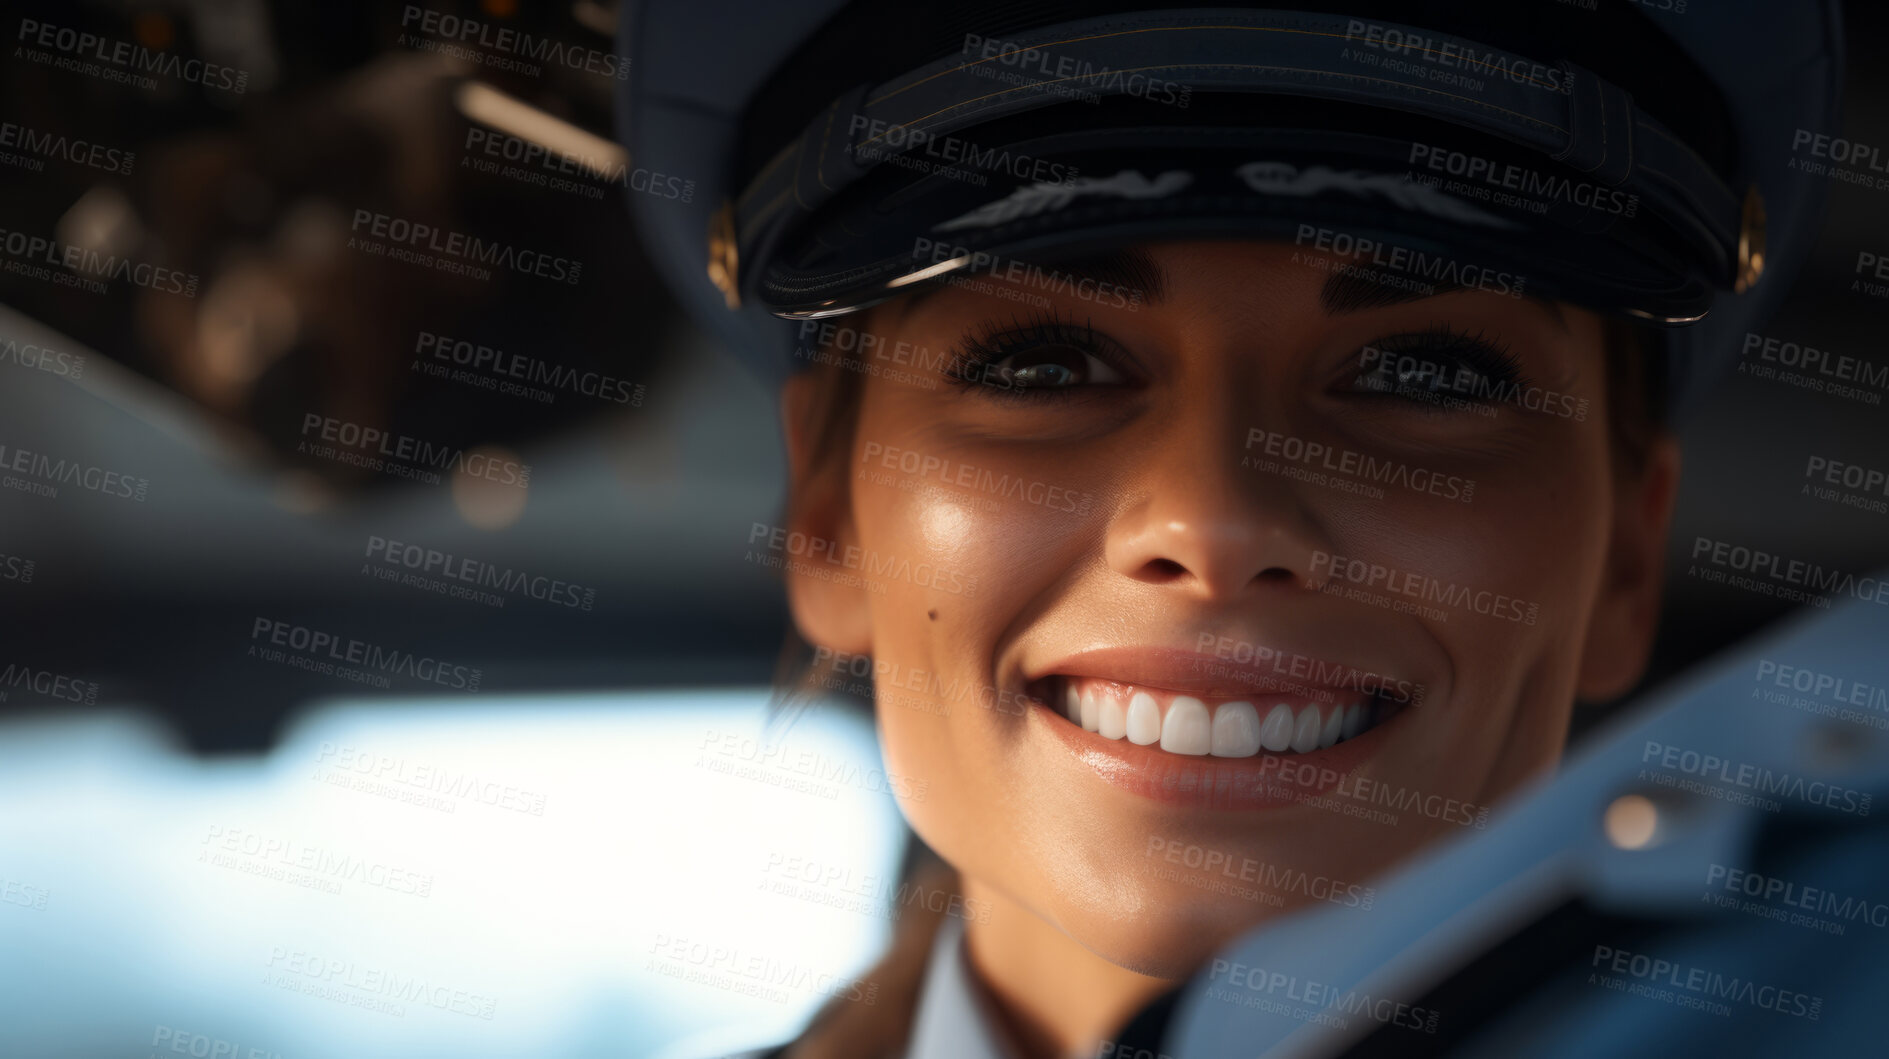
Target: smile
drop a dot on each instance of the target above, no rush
(1189, 730)
(1200, 725)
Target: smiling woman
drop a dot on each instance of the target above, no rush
(1242, 511)
(1207, 666)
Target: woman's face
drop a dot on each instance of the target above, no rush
(1217, 598)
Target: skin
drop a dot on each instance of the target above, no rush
(1183, 540)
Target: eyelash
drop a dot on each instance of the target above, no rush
(992, 343)
(1448, 350)
(1441, 347)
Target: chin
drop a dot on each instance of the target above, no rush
(1176, 935)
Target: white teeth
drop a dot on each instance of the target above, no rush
(1144, 719)
(1354, 720)
(1276, 733)
(1192, 727)
(1187, 728)
(1305, 730)
(1111, 718)
(1235, 730)
(1334, 723)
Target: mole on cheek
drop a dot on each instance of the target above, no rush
(932, 614)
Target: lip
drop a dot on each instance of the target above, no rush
(1205, 675)
(1267, 780)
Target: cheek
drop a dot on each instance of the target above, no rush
(1507, 578)
(999, 534)
(977, 566)
(995, 546)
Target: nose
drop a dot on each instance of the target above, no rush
(1204, 519)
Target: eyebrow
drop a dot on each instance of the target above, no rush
(1348, 292)
(1344, 292)
(1128, 267)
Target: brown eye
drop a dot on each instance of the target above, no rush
(1439, 365)
(1046, 358)
(1053, 367)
